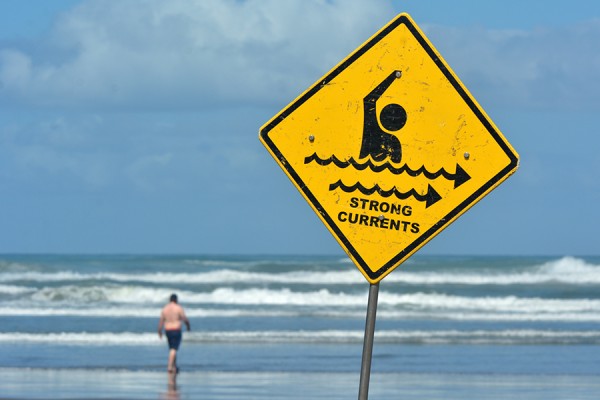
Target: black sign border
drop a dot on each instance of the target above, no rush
(440, 225)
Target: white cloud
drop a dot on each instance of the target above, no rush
(183, 53)
(191, 55)
(197, 53)
(546, 68)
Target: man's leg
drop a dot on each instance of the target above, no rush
(172, 367)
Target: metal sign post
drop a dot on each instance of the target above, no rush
(365, 369)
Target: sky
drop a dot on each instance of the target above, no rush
(131, 126)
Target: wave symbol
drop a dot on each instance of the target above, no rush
(459, 176)
(430, 198)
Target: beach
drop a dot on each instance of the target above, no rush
(106, 384)
(291, 327)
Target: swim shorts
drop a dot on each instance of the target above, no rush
(174, 338)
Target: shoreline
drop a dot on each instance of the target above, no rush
(36, 383)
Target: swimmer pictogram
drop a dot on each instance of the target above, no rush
(376, 142)
(379, 145)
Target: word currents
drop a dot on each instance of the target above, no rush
(380, 220)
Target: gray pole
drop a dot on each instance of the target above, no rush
(365, 369)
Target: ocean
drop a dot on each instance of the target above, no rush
(291, 327)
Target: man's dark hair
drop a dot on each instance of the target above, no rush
(174, 298)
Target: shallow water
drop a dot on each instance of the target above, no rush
(126, 384)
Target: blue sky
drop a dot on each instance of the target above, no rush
(132, 126)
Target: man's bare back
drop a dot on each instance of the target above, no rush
(173, 315)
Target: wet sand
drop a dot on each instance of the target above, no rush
(125, 384)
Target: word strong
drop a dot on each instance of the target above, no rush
(389, 148)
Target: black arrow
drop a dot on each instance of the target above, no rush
(430, 198)
(460, 176)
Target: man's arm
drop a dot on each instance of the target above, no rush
(161, 322)
(185, 320)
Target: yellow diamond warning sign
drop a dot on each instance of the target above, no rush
(389, 148)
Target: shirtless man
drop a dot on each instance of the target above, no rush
(171, 317)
